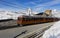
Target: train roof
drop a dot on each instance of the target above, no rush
(24, 16)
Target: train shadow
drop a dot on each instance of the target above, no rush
(8, 27)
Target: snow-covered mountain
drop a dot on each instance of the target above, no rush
(9, 15)
(56, 13)
(5, 14)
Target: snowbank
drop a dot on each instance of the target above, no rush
(53, 32)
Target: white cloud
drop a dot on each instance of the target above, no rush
(41, 6)
(49, 3)
(31, 2)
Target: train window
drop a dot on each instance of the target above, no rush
(18, 18)
(50, 18)
(47, 18)
(23, 18)
(41, 18)
(34, 18)
(27, 19)
(31, 18)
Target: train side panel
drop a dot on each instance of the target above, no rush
(34, 20)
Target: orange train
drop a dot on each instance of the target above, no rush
(27, 20)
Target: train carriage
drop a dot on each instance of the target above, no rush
(27, 20)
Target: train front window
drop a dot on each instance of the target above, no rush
(18, 18)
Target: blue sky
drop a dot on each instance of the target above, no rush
(35, 5)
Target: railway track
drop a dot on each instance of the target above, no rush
(35, 34)
(25, 31)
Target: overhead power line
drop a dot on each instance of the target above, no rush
(9, 4)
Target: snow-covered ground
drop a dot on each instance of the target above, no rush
(53, 32)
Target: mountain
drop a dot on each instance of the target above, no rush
(9, 15)
(56, 13)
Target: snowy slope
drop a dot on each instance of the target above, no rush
(5, 14)
(2, 16)
(9, 15)
(53, 32)
(56, 13)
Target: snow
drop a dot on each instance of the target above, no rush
(6, 14)
(9, 15)
(56, 13)
(2, 16)
(53, 32)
